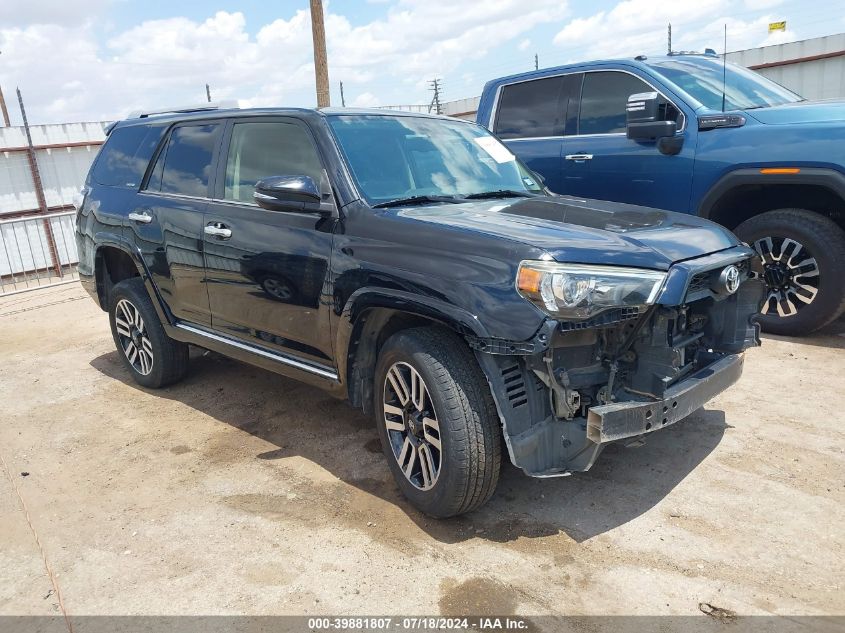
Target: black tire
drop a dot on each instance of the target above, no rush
(169, 358)
(824, 240)
(469, 430)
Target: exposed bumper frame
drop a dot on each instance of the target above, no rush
(620, 420)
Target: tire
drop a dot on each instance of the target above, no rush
(466, 468)
(158, 360)
(821, 239)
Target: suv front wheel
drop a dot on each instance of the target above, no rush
(801, 254)
(153, 358)
(437, 421)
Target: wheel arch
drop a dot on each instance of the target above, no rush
(746, 193)
(116, 260)
(370, 317)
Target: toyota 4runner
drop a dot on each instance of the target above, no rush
(412, 265)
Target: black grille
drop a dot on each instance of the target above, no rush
(703, 282)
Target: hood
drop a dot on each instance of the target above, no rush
(801, 112)
(586, 231)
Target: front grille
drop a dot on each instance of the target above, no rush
(702, 284)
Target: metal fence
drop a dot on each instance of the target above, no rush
(37, 251)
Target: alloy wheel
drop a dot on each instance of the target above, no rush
(134, 340)
(412, 427)
(791, 274)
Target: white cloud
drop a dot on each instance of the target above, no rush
(169, 61)
(366, 100)
(524, 44)
(762, 5)
(636, 27)
(66, 12)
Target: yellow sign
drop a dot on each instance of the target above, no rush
(777, 26)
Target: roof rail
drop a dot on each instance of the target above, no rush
(217, 105)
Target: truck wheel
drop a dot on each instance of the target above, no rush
(153, 358)
(801, 254)
(437, 421)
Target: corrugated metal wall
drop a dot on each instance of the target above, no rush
(63, 152)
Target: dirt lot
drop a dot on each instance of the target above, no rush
(242, 492)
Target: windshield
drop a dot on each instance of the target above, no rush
(702, 79)
(396, 157)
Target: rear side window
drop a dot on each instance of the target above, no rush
(531, 109)
(125, 156)
(603, 101)
(184, 165)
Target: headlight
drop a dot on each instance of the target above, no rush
(577, 292)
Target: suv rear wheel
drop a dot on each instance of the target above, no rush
(153, 358)
(437, 421)
(801, 252)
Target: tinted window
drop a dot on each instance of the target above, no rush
(187, 160)
(531, 109)
(603, 100)
(125, 156)
(263, 149)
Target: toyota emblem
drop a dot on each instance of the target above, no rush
(729, 279)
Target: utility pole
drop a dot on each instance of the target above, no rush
(536, 62)
(39, 190)
(321, 64)
(670, 38)
(208, 92)
(435, 102)
(6, 121)
(342, 98)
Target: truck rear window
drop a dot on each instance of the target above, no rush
(124, 158)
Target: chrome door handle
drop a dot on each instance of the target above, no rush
(218, 230)
(579, 157)
(143, 218)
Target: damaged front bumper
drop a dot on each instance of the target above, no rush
(621, 420)
(570, 391)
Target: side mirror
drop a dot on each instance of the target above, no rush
(288, 193)
(646, 114)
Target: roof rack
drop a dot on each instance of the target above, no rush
(217, 105)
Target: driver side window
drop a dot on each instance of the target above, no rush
(260, 149)
(603, 100)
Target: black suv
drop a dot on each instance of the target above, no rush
(412, 265)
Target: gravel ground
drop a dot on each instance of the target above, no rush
(242, 492)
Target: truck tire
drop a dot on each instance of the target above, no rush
(437, 421)
(801, 254)
(153, 358)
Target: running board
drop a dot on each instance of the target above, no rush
(323, 372)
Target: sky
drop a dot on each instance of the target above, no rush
(92, 60)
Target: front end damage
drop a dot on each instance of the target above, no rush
(578, 386)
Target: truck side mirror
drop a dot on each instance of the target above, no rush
(646, 114)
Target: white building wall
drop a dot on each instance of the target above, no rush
(812, 79)
(62, 169)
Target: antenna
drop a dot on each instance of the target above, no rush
(725, 68)
(669, 43)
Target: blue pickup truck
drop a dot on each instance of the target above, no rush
(688, 133)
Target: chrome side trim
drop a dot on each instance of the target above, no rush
(286, 360)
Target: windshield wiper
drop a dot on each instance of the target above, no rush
(401, 202)
(499, 193)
